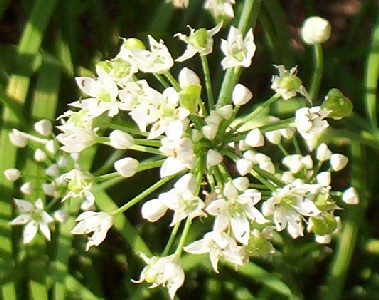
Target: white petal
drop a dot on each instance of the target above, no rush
(241, 229)
(30, 232)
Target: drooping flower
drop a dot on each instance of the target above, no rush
(34, 217)
(218, 245)
(96, 222)
(238, 50)
(220, 8)
(165, 271)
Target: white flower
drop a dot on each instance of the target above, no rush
(350, 196)
(34, 217)
(255, 138)
(43, 127)
(236, 209)
(76, 139)
(287, 84)
(158, 60)
(126, 167)
(289, 204)
(165, 271)
(241, 95)
(218, 245)
(96, 222)
(181, 199)
(18, 138)
(79, 185)
(338, 162)
(315, 30)
(199, 41)
(103, 93)
(120, 139)
(310, 121)
(220, 8)
(238, 51)
(178, 149)
(12, 174)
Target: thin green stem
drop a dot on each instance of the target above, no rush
(208, 83)
(161, 80)
(171, 239)
(317, 73)
(258, 110)
(143, 195)
(172, 80)
(182, 240)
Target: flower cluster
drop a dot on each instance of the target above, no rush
(215, 160)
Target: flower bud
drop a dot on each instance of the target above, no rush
(244, 166)
(225, 111)
(120, 139)
(43, 127)
(213, 158)
(39, 155)
(61, 216)
(315, 30)
(339, 105)
(241, 95)
(187, 77)
(255, 138)
(323, 153)
(26, 188)
(133, 44)
(126, 167)
(350, 196)
(18, 138)
(338, 162)
(49, 189)
(12, 174)
(274, 137)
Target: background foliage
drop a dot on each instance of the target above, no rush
(44, 44)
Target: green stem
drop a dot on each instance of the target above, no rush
(208, 83)
(372, 75)
(248, 19)
(182, 240)
(317, 73)
(258, 110)
(143, 195)
(162, 81)
(172, 80)
(171, 239)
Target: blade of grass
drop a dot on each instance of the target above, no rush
(17, 89)
(372, 75)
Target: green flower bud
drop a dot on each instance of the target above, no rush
(189, 97)
(199, 38)
(324, 225)
(133, 43)
(339, 105)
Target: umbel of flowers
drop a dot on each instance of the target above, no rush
(213, 162)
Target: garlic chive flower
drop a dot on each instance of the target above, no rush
(96, 222)
(287, 84)
(238, 51)
(198, 41)
(165, 271)
(34, 217)
(220, 9)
